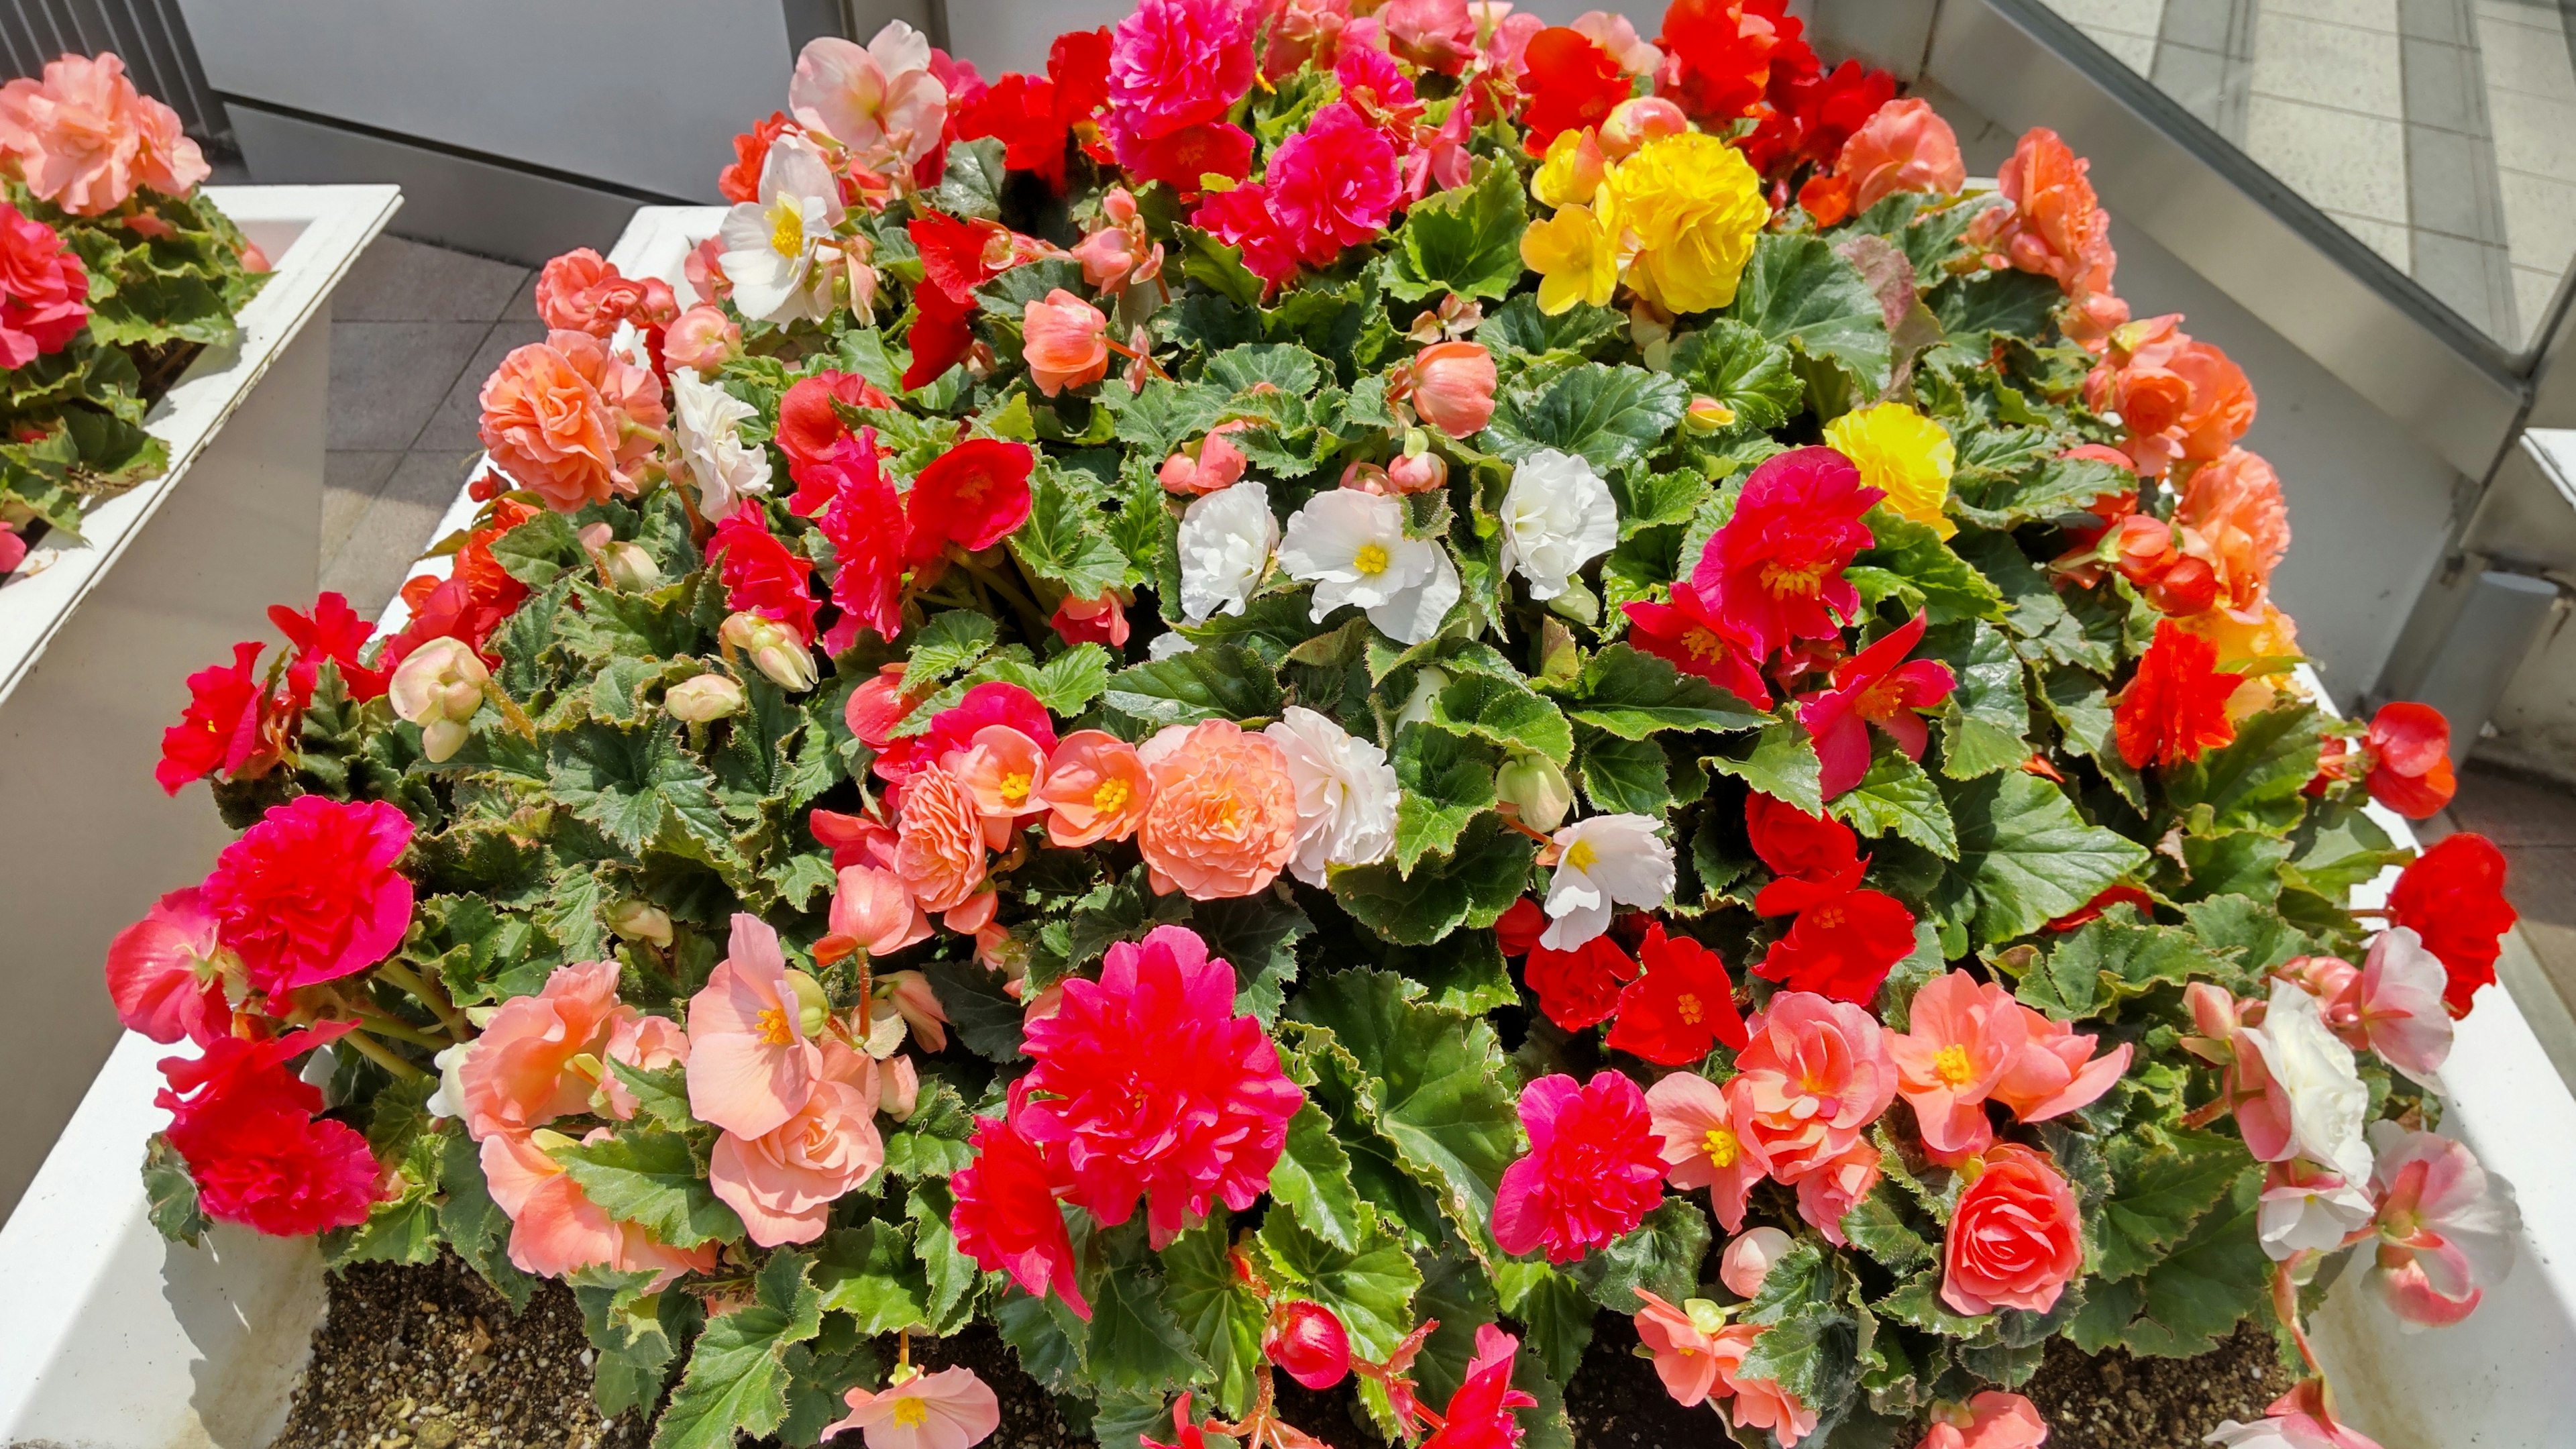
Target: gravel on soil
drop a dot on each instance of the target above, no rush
(431, 1358)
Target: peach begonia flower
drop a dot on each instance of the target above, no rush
(1758, 1403)
(1219, 464)
(783, 1182)
(570, 420)
(1817, 1072)
(646, 1043)
(2179, 399)
(911, 996)
(528, 1067)
(1453, 386)
(703, 339)
(1065, 341)
(1991, 1420)
(2056, 1072)
(939, 840)
(1223, 818)
(881, 100)
(1003, 770)
(1748, 1259)
(556, 1230)
(1096, 789)
(1122, 252)
(951, 1409)
(1681, 1339)
(1830, 1189)
(1903, 146)
(1703, 1146)
(84, 138)
(751, 1065)
(872, 914)
(2233, 515)
(1963, 1035)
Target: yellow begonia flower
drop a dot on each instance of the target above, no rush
(1694, 206)
(1573, 170)
(1576, 256)
(1902, 453)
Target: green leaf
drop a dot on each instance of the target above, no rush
(737, 1377)
(2012, 303)
(2036, 491)
(1219, 267)
(869, 1273)
(1447, 780)
(1313, 1180)
(1505, 713)
(2257, 931)
(473, 1224)
(1484, 873)
(2214, 1279)
(1369, 1286)
(1781, 762)
(951, 1276)
(1634, 694)
(1065, 542)
(1897, 796)
(1213, 681)
(972, 184)
(633, 783)
(931, 1143)
(1519, 326)
(1432, 1086)
(2162, 1181)
(1135, 1345)
(1796, 291)
(1465, 240)
(1257, 934)
(1553, 1308)
(636, 1334)
(538, 551)
(1219, 1313)
(2254, 783)
(170, 1194)
(1266, 369)
(2081, 704)
(2111, 959)
(986, 1018)
(1878, 1226)
(1983, 724)
(661, 1093)
(1623, 776)
(1607, 415)
(948, 645)
(1742, 369)
(2025, 856)
(1807, 1344)
(1661, 1255)
(646, 1176)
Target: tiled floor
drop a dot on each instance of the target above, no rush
(2534, 822)
(415, 329)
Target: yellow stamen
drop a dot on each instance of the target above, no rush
(1111, 796)
(1783, 582)
(1015, 788)
(1952, 1064)
(1370, 560)
(1581, 855)
(911, 1413)
(1688, 1005)
(787, 228)
(1719, 1145)
(772, 1026)
(1704, 644)
(1826, 918)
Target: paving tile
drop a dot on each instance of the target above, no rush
(2209, 85)
(2337, 160)
(2532, 133)
(2379, 15)
(460, 413)
(2513, 809)
(2443, 20)
(2450, 184)
(2515, 58)
(394, 530)
(396, 280)
(2134, 17)
(2221, 27)
(2443, 87)
(2327, 65)
(2533, 292)
(350, 483)
(2474, 279)
(2388, 238)
(2539, 220)
(387, 378)
(2137, 52)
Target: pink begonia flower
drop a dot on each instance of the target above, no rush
(1616, 35)
(85, 139)
(1704, 1145)
(912, 998)
(1815, 1075)
(882, 100)
(951, 1409)
(556, 1230)
(872, 914)
(750, 1064)
(1065, 341)
(1748, 1259)
(1121, 253)
(1219, 464)
(1991, 1420)
(1593, 1171)
(166, 972)
(703, 338)
(646, 1043)
(2056, 1072)
(1333, 185)
(1438, 34)
(538, 1057)
(2446, 1225)
(1003, 772)
(1683, 1345)
(2398, 1004)
(1758, 1403)
(2307, 1209)
(898, 1088)
(2298, 1419)
(1829, 1190)
(939, 841)
(783, 1183)
(1637, 120)
(1903, 146)
(1963, 1035)
(1178, 64)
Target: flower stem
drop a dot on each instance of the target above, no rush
(510, 710)
(374, 1051)
(428, 994)
(1030, 619)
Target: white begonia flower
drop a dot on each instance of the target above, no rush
(774, 247)
(1351, 546)
(1605, 860)
(881, 101)
(1169, 645)
(2314, 1216)
(2328, 1103)
(1346, 794)
(1557, 516)
(449, 1099)
(1226, 540)
(707, 421)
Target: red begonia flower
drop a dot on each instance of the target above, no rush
(1683, 1004)
(245, 1125)
(1717, 54)
(220, 729)
(1006, 1217)
(1571, 83)
(808, 423)
(2175, 707)
(2409, 748)
(310, 893)
(973, 496)
(1480, 1413)
(1689, 634)
(1813, 857)
(1775, 571)
(335, 632)
(1841, 946)
(2453, 896)
(850, 498)
(1078, 63)
(762, 574)
(1878, 686)
(740, 182)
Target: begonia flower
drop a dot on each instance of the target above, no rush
(2016, 1238)
(642, 1041)
(44, 289)
(1694, 207)
(1717, 55)
(2056, 1071)
(1352, 546)
(1007, 1219)
(2447, 1227)
(2452, 897)
(1679, 1338)
(884, 101)
(2233, 515)
(1681, 1007)
(761, 575)
(1309, 1343)
(1903, 454)
(703, 338)
(2307, 1209)
(974, 495)
(2051, 223)
(310, 893)
(1479, 1414)
(167, 973)
(219, 731)
(83, 138)
(751, 1062)
(1002, 771)
(1175, 67)
(1754, 1402)
(1604, 861)
(1573, 82)
(1690, 634)
(1160, 1028)
(1903, 146)
(1878, 686)
(1748, 1257)
(2311, 1101)
(1594, 1168)
(940, 843)
(1833, 1187)
(1226, 539)
(1066, 342)
(1962, 1036)
(1578, 253)
(706, 423)
(2409, 754)
(1451, 386)
(1101, 620)
(1222, 821)
(774, 246)
(1704, 1142)
(2179, 400)
(1816, 1074)
(783, 1182)
(1556, 516)
(1346, 794)
(1217, 464)
(258, 1154)
(2396, 1003)
(2298, 1419)
(2174, 708)
(1992, 1419)
(556, 1230)
(1332, 185)
(950, 1409)
(571, 421)
(538, 1058)
(1096, 789)
(854, 504)
(1774, 572)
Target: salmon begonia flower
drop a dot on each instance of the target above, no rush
(917, 1002)
(2056, 1072)
(1594, 1168)
(2233, 514)
(950, 1409)
(1218, 464)
(1066, 341)
(539, 1057)
(1704, 1142)
(570, 420)
(1682, 1007)
(646, 1043)
(2016, 1238)
(783, 1182)
(1003, 771)
(1903, 146)
(1774, 572)
(940, 842)
(1992, 1419)
(751, 1064)
(556, 1230)
(1962, 1036)
(2175, 707)
(873, 914)
(1748, 1258)
(2053, 225)
(84, 139)
(168, 972)
(1835, 1187)
(2452, 897)
(1878, 686)
(1681, 1339)
(1221, 819)
(2179, 400)
(1754, 1402)
(1816, 1074)
(1451, 385)
(1904, 455)
(2447, 1226)
(1096, 789)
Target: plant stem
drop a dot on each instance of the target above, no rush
(374, 1051)
(1030, 619)
(399, 1030)
(428, 994)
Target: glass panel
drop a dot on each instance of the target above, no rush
(2440, 133)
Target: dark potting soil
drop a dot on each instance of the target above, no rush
(431, 1358)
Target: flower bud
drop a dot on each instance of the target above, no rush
(1307, 1341)
(1532, 787)
(898, 1088)
(702, 339)
(1640, 119)
(1707, 415)
(1362, 477)
(641, 921)
(707, 697)
(1453, 387)
(813, 1006)
(1749, 1258)
(439, 686)
(775, 649)
(630, 567)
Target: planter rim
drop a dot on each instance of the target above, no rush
(337, 223)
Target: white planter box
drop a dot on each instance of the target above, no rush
(116, 1340)
(95, 647)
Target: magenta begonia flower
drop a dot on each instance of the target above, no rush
(1594, 1168)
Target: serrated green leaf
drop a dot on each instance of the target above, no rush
(1221, 1315)
(1661, 1255)
(1896, 795)
(2212, 1280)
(2162, 1181)
(1983, 724)
(869, 1273)
(1134, 1344)
(1633, 694)
(2025, 856)
(1877, 1226)
(1743, 370)
(1466, 240)
(2254, 782)
(649, 1177)
(737, 1377)
(473, 1224)
(1447, 780)
(2110, 959)
(1624, 776)
(1505, 713)
(1795, 290)
(948, 645)
(1369, 1286)
(1065, 542)
(170, 1194)
(1483, 874)
(1213, 681)
(1313, 1180)
(1604, 414)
